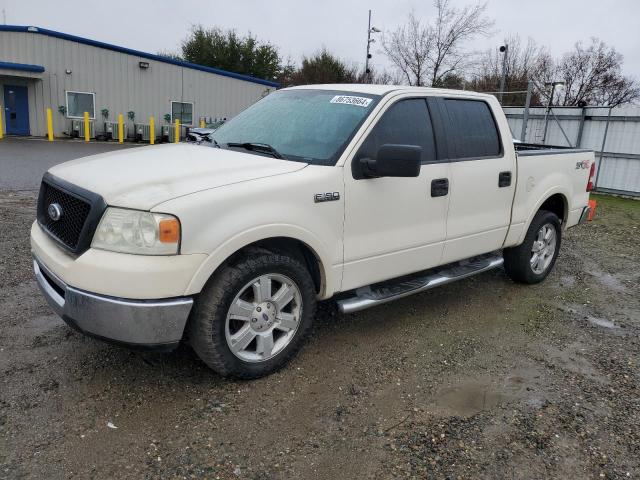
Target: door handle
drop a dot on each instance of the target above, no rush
(504, 179)
(439, 187)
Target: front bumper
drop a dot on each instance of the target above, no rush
(154, 324)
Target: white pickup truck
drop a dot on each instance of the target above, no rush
(366, 193)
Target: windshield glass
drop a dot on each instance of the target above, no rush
(313, 126)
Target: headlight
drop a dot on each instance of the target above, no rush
(135, 231)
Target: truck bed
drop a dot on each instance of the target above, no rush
(524, 149)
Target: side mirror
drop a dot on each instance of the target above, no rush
(393, 161)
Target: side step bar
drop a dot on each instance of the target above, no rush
(390, 290)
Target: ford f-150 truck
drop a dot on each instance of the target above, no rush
(365, 193)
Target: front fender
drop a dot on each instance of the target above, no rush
(330, 274)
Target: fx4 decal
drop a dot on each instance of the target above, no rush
(584, 164)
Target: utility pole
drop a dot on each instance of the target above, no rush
(4, 16)
(505, 50)
(370, 30)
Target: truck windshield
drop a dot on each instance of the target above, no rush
(312, 126)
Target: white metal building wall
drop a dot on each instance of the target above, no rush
(618, 161)
(117, 80)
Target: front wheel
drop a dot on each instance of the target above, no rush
(254, 315)
(532, 261)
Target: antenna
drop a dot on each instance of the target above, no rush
(4, 16)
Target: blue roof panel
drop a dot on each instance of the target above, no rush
(129, 51)
(24, 67)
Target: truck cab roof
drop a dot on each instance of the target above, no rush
(386, 89)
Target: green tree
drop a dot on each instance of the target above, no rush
(324, 67)
(227, 50)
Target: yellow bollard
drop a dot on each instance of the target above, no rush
(49, 125)
(176, 134)
(152, 131)
(202, 123)
(1, 126)
(86, 127)
(120, 128)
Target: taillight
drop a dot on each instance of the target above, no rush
(592, 172)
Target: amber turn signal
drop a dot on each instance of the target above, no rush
(169, 231)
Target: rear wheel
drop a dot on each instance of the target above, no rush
(532, 261)
(253, 316)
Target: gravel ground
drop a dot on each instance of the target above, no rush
(479, 379)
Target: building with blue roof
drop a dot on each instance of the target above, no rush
(42, 69)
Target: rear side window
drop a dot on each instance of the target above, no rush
(404, 123)
(472, 132)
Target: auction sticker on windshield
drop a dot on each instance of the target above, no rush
(351, 100)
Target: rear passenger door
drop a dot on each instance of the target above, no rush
(482, 178)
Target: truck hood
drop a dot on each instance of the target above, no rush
(146, 176)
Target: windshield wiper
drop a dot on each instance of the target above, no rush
(258, 147)
(209, 138)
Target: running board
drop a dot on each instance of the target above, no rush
(390, 290)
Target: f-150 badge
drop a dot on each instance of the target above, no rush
(326, 197)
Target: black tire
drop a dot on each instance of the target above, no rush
(206, 329)
(517, 260)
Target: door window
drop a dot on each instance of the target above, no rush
(472, 131)
(405, 123)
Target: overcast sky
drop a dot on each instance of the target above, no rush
(301, 27)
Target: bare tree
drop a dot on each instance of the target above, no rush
(409, 48)
(593, 75)
(426, 53)
(452, 28)
(524, 61)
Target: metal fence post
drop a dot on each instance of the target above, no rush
(525, 115)
(604, 141)
(581, 127)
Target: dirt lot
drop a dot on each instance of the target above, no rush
(480, 379)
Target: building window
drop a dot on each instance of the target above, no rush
(183, 112)
(80, 102)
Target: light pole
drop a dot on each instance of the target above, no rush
(505, 50)
(370, 30)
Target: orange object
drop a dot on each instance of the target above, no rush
(592, 211)
(169, 231)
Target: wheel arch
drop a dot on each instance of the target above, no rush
(555, 201)
(305, 247)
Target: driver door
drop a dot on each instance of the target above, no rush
(395, 226)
